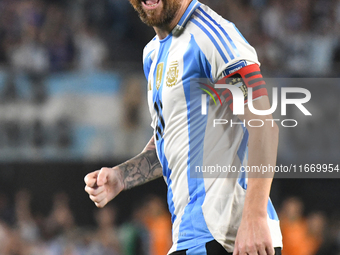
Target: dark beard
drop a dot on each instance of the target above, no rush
(170, 8)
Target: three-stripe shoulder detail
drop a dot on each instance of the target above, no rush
(216, 33)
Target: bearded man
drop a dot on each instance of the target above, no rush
(216, 213)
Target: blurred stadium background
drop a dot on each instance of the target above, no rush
(72, 99)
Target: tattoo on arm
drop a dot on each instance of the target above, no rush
(141, 169)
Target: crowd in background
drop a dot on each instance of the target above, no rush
(38, 39)
(53, 36)
(23, 232)
(314, 233)
(147, 232)
(293, 38)
(299, 37)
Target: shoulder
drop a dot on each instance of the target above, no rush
(216, 33)
(149, 54)
(149, 48)
(219, 40)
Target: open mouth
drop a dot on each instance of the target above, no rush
(151, 4)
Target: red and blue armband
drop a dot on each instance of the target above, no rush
(247, 77)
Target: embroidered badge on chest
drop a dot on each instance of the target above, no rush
(159, 75)
(172, 75)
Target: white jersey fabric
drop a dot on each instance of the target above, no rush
(202, 45)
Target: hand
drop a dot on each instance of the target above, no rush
(103, 185)
(253, 237)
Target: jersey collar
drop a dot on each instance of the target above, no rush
(185, 18)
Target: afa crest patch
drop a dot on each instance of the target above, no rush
(172, 75)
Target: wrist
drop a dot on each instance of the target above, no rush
(249, 213)
(120, 174)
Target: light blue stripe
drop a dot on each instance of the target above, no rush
(157, 96)
(211, 38)
(241, 153)
(217, 34)
(271, 211)
(206, 66)
(147, 64)
(243, 145)
(193, 229)
(223, 31)
(242, 180)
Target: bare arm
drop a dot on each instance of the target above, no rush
(262, 150)
(253, 236)
(143, 168)
(105, 184)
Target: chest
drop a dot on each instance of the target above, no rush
(174, 64)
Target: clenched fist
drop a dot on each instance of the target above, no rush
(103, 185)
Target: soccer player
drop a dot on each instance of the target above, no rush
(220, 213)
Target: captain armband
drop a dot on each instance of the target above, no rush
(247, 77)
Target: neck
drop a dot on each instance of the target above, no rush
(165, 30)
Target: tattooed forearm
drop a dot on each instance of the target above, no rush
(141, 169)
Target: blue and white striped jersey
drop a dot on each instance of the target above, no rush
(202, 45)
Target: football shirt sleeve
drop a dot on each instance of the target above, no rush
(242, 71)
